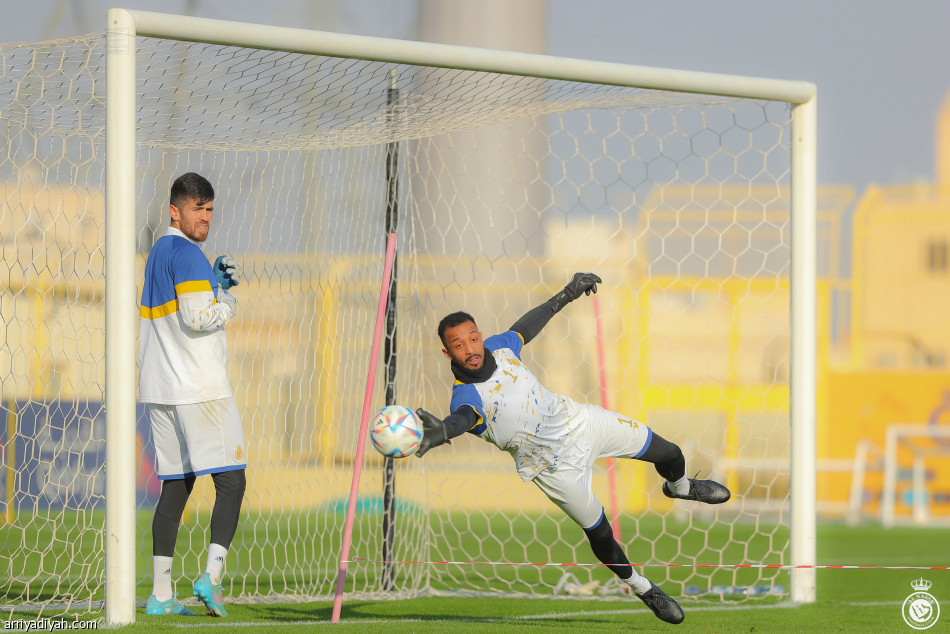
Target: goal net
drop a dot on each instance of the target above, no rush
(499, 187)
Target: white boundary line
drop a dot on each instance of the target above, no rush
(508, 619)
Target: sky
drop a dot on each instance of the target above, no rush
(881, 66)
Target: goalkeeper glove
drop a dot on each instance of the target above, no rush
(226, 271)
(433, 432)
(585, 283)
(582, 283)
(225, 297)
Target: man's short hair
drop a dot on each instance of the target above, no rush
(452, 320)
(191, 186)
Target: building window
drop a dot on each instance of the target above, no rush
(937, 256)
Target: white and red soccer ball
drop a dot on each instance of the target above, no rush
(396, 431)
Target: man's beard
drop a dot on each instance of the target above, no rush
(482, 374)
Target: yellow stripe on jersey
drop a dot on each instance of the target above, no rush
(477, 422)
(195, 286)
(169, 308)
(158, 312)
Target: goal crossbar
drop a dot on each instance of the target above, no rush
(377, 49)
(123, 28)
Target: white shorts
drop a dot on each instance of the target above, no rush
(609, 435)
(197, 438)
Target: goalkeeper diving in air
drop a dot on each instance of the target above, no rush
(553, 439)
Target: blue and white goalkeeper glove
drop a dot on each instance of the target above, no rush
(227, 272)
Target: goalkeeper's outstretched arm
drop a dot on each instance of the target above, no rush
(531, 323)
(437, 431)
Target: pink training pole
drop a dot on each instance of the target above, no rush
(364, 424)
(611, 480)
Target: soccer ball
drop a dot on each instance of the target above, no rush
(396, 431)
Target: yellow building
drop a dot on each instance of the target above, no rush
(896, 368)
(896, 371)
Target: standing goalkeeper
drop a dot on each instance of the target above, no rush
(195, 422)
(554, 440)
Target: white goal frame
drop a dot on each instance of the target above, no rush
(120, 388)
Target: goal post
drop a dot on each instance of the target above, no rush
(125, 25)
(692, 194)
(803, 362)
(120, 341)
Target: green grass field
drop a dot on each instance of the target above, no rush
(848, 600)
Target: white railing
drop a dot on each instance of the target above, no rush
(906, 435)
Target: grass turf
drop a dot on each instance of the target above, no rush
(848, 600)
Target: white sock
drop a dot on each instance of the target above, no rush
(681, 486)
(638, 582)
(216, 555)
(162, 578)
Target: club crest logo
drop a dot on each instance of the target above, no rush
(920, 610)
(239, 453)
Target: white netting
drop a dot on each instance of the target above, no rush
(505, 186)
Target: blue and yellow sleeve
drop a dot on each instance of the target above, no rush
(191, 272)
(465, 394)
(510, 339)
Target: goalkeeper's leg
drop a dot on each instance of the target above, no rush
(229, 488)
(667, 458)
(669, 462)
(570, 489)
(165, 523)
(229, 493)
(609, 552)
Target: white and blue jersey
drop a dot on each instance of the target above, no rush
(182, 345)
(539, 428)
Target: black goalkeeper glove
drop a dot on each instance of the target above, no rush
(433, 432)
(581, 283)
